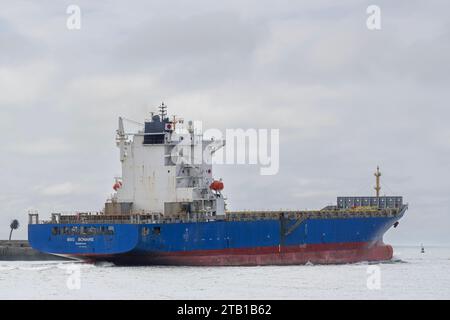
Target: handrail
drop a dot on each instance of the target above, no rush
(230, 216)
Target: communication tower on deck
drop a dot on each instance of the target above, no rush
(377, 184)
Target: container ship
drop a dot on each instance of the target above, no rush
(167, 209)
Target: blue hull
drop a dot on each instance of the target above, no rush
(188, 243)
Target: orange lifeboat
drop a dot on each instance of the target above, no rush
(216, 185)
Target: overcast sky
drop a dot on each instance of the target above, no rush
(345, 99)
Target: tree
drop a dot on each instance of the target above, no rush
(14, 225)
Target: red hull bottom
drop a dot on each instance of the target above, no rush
(292, 255)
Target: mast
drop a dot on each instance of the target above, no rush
(377, 187)
(121, 139)
(163, 111)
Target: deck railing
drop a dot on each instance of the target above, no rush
(99, 218)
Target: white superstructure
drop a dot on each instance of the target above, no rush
(166, 169)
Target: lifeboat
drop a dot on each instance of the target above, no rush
(216, 185)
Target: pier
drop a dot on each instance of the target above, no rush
(20, 250)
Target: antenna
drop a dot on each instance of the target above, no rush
(377, 187)
(163, 111)
(174, 121)
(121, 131)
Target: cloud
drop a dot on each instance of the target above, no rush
(61, 189)
(344, 98)
(23, 85)
(41, 147)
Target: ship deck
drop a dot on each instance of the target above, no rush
(100, 217)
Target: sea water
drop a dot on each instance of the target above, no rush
(411, 275)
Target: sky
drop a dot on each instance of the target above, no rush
(345, 99)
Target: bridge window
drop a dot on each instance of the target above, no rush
(156, 231)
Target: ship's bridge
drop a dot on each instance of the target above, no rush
(166, 168)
